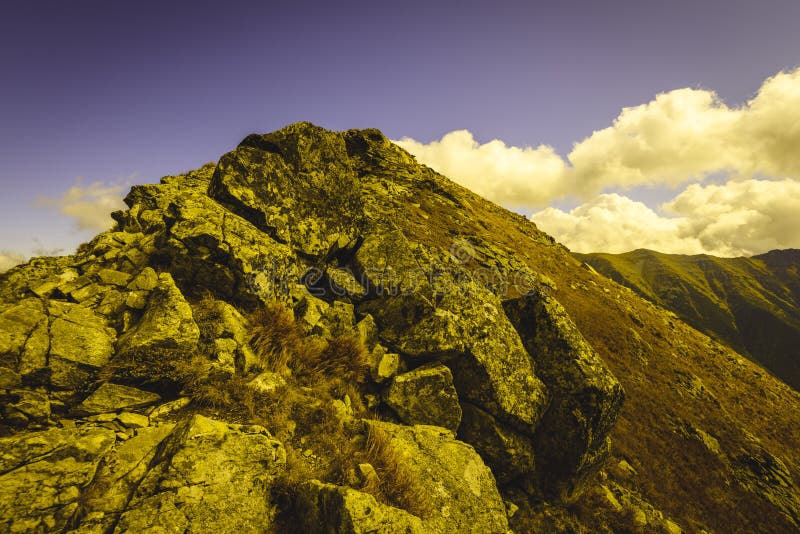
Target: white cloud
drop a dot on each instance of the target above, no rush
(512, 176)
(739, 218)
(89, 205)
(680, 136)
(9, 259)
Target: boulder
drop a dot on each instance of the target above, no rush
(207, 476)
(277, 182)
(24, 339)
(81, 342)
(571, 441)
(42, 475)
(425, 396)
(114, 397)
(325, 508)
(454, 320)
(458, 489)
(167, 323)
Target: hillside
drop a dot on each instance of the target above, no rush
(750, 304)
(318, 334)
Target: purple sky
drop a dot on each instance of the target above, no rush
(110, 91)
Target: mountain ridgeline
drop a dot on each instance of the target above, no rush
(318, 334)
(751, 304)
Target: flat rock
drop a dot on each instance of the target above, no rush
(114, 397)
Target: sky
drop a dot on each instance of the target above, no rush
(615, 125)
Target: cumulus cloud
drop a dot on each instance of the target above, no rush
(679, 137)
(511, 176)
(739, 218)
(89, 205)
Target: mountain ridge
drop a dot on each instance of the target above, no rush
(751, 304)
(340, 345)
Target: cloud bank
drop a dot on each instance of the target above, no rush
(678, 139)
(90, 206)
(735, 219)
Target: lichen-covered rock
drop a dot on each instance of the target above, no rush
(167, 322)
(81, 342)
(508, 452)
(297, 185)
(42, 475)
(114, 397)
(326, 508)
(24, 339)
(571, 441)
(425, 396)
(207, 476)
(457, 486)
(118, 477)
(457, 321)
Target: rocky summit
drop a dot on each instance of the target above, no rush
(319, 334)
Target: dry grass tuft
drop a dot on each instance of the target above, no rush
(396, 483)
(275, 337)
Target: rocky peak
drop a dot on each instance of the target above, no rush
(318, 304)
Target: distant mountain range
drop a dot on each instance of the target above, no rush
(751, 304)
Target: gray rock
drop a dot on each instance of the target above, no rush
(571, 442)
(329, 508)
(114, 397)
(80, 343)
(42, 474)
(208, 476)
(167, 323)
(425, 396)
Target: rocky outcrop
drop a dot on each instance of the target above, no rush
(336, 230)
(571, 440)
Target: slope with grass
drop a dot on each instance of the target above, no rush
(750, 304)
(318, 334)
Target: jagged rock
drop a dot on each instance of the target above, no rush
(133, 420)
(162, 411)
(80, 343)
(167, 323)
(368, 332)
(296, 202)
(118, 477)
(571, 441)
(385, 365)
(329, 508)
(456, 485)
(114, 397)
(460, 322)
(24, 339)
(509, 453)
(113, 277)
(228, 331)
(337, 320)
(147, 280)
(42, 474)
(23, 406)
(425, 396)
(207, 476)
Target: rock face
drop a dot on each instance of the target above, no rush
(585, 397)
(426, 396)
(490, 389)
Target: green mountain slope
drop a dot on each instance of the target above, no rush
(750, 304)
